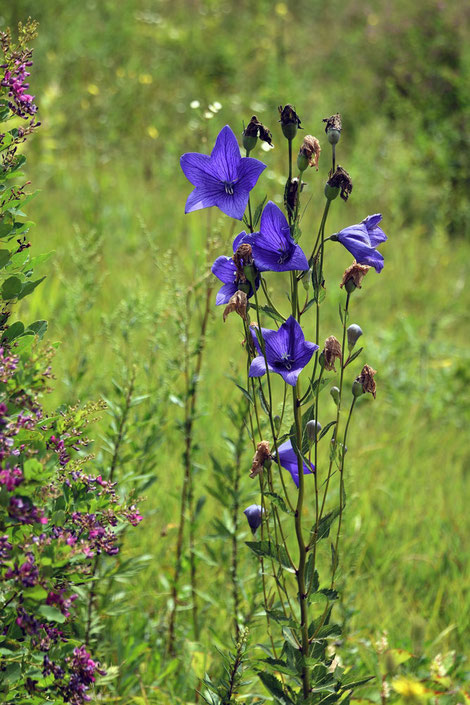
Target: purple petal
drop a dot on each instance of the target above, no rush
(354, 233)
(298, 259)
(225, 293)
(258, 367)
(224, 269)
(243, 237)
(290, 376)
(203, 196)
(365, 255)
(267, 259)
(288, 460)
(274, 225)
(277, 343)
(249, 172)
(197, 167)
(376, 234)
(225, 157)
(233, 205)
(303, 353)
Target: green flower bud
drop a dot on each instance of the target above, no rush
(313, 429)
(350, 286)
(331, 192)
(354, 333)
(334, 391)
(333, 136)
(302, 162)
(250, 273)
(277, 423)
(305, 279)
(357, 388)
(249, 142)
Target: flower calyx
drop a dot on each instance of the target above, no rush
(341, 179)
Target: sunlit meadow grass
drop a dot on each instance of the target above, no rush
(116, 85)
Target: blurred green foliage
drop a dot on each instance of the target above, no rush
(114, 83)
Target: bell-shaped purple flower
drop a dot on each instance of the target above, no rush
(254, 515)
(225, 269)
(288, 460)
(287, 352)
(362, 239)
(274, 249)
(224, 179)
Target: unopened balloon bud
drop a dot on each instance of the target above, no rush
(277, 423)
(313, 429)
(334, 391)
(331, 192)
(354, 333)
(357, 388)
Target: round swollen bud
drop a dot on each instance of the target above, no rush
(334, 391)
(350, 286)
(331, 192)
(302, 162)
(354, 333)
(333, 136)
(249, 142)
(357, 388)
(313, 429)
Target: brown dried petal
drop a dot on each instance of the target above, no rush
(332, 352)
(262, 454)
(366, 378)
(341, 179)
(255, 128)
(288, 115)
(333, 122)
(237, 303)
(356, 272)
(242, 257)
(311, 149)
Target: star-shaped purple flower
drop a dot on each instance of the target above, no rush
(288, 460)
(362, 239)
(224, 179)
(273, 247)
(224, 269)
(287, 352)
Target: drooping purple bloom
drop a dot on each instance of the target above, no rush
(225, 269)
(254, 514)
(224, 179)
(274, 249)
(362, 239)
(288, 460)
(287, 352)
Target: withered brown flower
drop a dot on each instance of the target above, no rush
(255, 128)
(366, 378)
(237, 303)
(355, 273)
(341, 179)
(262, 454)
(242, 257)
(331, 352)
(333, 122)
(311, 149)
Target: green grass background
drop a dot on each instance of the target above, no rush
(114, 83)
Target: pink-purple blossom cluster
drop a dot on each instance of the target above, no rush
(15, 81)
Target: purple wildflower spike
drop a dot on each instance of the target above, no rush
(288, 460)
(273, 247)
(362, 239)
(224, 179)
(287, 352)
